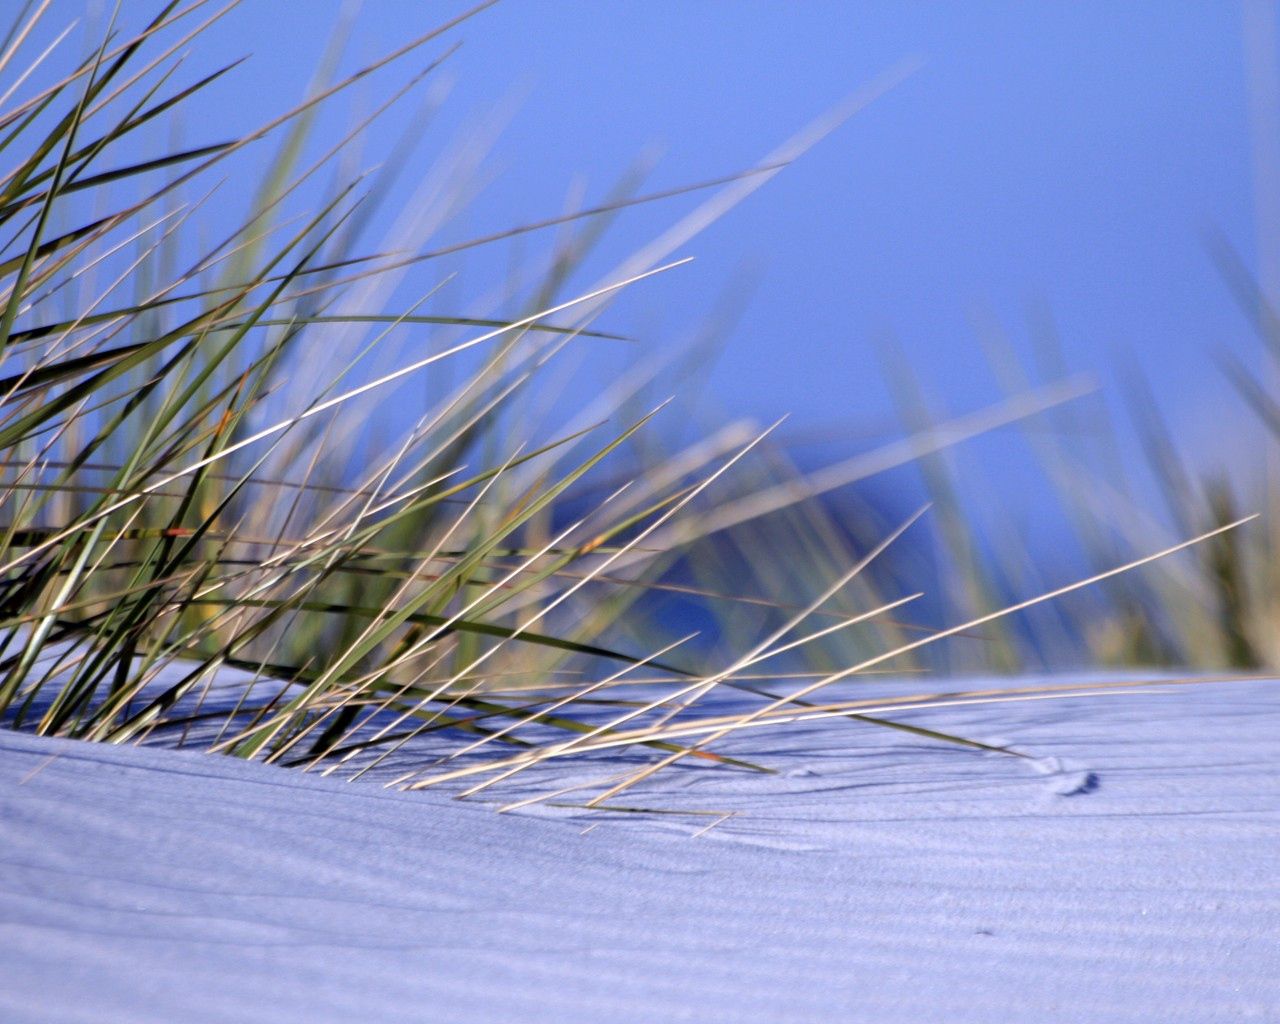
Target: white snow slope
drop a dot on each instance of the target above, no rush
(877, 877)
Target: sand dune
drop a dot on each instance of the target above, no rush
(1125, 873)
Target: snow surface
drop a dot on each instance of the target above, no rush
(1125, 872)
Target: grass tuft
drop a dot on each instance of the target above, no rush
(202, 544)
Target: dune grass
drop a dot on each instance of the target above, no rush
(188, 494)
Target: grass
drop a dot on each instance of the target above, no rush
(200, 545)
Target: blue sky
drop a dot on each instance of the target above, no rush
(1066, 154)
(1047, 157)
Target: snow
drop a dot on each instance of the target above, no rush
(1124, 871)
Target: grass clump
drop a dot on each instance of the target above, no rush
(200, 544)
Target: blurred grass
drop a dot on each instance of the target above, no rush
(194, 485)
